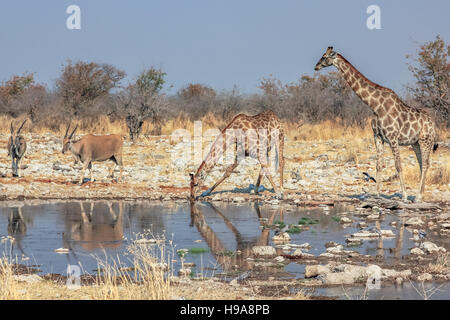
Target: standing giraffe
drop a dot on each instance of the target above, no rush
(251, 136)
(395, 123)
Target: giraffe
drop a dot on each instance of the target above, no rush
(395, 123)
(252, 136)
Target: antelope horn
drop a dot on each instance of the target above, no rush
(20, 128)
(70, 137)
(67, 130)
(12, 128)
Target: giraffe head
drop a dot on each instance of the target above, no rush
(328, 59)
(196, 179)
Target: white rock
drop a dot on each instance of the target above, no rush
(387, 233)
(425, 277)
(281, 237)
(336, 250)
(430, 247)
(28, 278)
(264, 251)
(417, 251)
(62, 250)
(373, 216)
(414, 221)
(345, 220)
(365, 234)
(184, 272)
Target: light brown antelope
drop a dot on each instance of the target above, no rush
(16, 148)
(94, 148)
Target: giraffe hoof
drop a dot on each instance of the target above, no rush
(279, 195)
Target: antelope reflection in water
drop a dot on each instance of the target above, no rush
(17, 228)
(243, 249)
(102, 229)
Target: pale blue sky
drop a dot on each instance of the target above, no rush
(218, 43)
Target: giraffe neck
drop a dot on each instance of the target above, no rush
(216, 151)
(363, 87)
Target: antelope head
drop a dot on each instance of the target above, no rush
(67, 141)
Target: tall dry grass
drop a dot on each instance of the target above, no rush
(437, 174)
(147, 278)
(330, 129)
(8, 285)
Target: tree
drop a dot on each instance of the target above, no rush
(432, 73)
(196, 91)
(21, 95)
(13, 88)
(82, 83)
(142, 100)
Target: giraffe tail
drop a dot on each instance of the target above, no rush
(435, 146)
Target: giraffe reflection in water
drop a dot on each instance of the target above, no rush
(397, 250)
(227, 259)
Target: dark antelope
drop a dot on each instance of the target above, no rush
(94, 148)
(16, 148)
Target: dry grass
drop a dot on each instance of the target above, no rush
(326, 130)
(437, 174)
(441, 265)
(330, 129)
(147, 278)
(8, 285)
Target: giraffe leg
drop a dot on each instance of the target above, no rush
(380, 149)
(425, 148)
(227, 173)
(266, 171)
(281, 161)
(258, 182)
(398, 166)
(379, 144)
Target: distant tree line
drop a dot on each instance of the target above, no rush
(89, 89)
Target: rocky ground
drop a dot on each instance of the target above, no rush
(320, 173)
(155, 168)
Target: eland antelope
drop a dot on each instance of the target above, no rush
(16, 148)
(94, 148)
